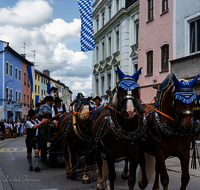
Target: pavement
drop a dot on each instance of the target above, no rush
(172, 164)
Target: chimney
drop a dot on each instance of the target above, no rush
(24, 56)
(46, 72)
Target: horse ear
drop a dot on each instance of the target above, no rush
(137, 74)
(176, 81)
(120, 73)
(193, 82)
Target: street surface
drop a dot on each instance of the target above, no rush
(15, 174)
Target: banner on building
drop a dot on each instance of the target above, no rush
(87, 29)
(36, 99)
(31, 71)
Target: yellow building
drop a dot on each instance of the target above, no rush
(37, 88)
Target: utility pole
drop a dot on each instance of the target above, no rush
(33, 55)
(24, 47)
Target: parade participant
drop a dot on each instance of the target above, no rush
(38, 106)
(45, 110)
(97, 101)
(18, 128)
(6, 128)
(32, 138)
(14, 129)
(58, 109)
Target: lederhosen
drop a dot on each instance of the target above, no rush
(56, 111)
(31, 139)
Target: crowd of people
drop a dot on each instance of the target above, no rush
(12, 129)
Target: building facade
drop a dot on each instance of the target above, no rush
(155, 44)
(37, 88)
(116, 27)
(186, 35)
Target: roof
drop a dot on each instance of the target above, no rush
(8, 48)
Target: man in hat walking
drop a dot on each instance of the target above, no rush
(32, 138)
(58, 109)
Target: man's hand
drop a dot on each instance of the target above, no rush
(44, 120)
(58, 114)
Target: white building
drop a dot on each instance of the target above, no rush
(116, 28)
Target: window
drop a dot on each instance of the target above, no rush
(103, 51)
(16, 71)
(117, 5)
(116, 76)
(109, 81)
(7, 68)
(165, 58)
(38, 78)
(35, 77)
(41, 80)
(24, 99)
(20, 75)
(7, 90)
(195, 36)
(42, 92)
(97, 53)
(164, 5)
(117, 40)
(11, 71)
(150, 63)
(35, 88)
(27, 99)
(16, 96)
(97, 86)
(11, 94)
(102, 85)
(109, 12)
(137, 34)
(97, 21)
(24, 78)
(135, 68)
(20, 96)
(150, 9)
(103, 18)
(109, 46)
(38, 89)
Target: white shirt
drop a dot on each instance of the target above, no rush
(30, 125)
(60, 109)
(6, 125)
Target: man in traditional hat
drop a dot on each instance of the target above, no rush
(32, 138)
(58, 109)
(46, 110)
(97, 101)
(38, 106)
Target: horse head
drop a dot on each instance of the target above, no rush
(183, 98)
(126, 94)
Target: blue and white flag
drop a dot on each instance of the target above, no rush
(87, 29)
(31, 71)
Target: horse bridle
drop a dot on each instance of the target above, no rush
(125, 98)
(183, 113)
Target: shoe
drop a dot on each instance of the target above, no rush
(31, 168)
(37, 169)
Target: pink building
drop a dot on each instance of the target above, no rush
(26, 88)
(155, 44)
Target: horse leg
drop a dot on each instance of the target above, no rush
(134, 161)
(156, 181)
(111, 173)
(125, 173)
(185, 177)
(144, 180)
(162, 170)
(66, 155)
(100, 182)
(86, 179)
(73, 162)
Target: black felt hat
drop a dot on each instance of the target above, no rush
(57, 100)
(47, 98)
(38, 104)
(31, 112)
(53, 88)
(97, 97)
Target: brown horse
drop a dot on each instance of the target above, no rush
(167, 137)
(118, 134)
(75, 131)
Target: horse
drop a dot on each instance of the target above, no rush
(170, 129)
(117, 132)
(74, 129)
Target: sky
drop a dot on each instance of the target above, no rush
(52, 29)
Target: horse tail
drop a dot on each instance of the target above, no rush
(149, 168)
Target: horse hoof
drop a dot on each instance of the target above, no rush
(73, 177)
(124, 177)
(86, 181)
(68, 177)
(141, 186)
(100, 189)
